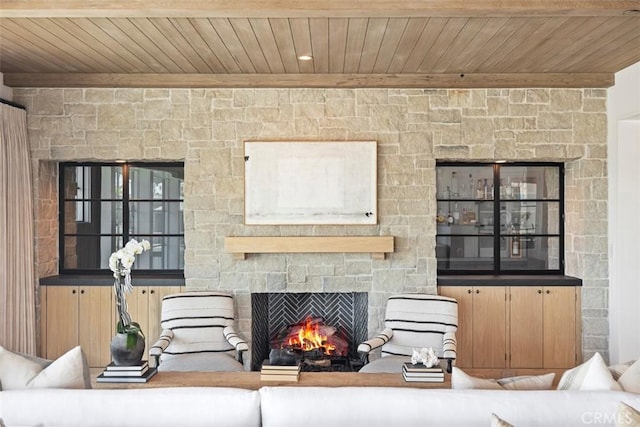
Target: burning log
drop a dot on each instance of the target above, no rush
(313, 338)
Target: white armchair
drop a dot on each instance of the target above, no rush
(413, 321)
(198, 334)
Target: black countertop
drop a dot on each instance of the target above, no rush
(107, 280)
(508, 280)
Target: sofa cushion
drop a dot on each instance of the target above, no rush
(591, 375)
(384, 407)
(201, 362)
(630, 379)
(149, 407)
(462, 380)
(68, 371)
(496, 421)
(386, 364)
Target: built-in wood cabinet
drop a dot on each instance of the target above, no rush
(482, 339)
(86, 316)
(77, 315)
(517, 327)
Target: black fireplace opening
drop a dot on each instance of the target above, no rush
(320, 330)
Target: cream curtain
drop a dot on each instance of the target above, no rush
(17, 275)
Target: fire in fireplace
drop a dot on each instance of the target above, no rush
(312, 343)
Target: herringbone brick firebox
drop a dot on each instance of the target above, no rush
(273, 312)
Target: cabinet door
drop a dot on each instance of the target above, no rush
(489, 327)
(156, 293)
(138, 307)
(525, 326)
(61, 320)
(464, 334)
(96, 326)
(559, 326)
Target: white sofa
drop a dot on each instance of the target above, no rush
(317, 406)
(151, 407)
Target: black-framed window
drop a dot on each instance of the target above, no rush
(500, 218)
(104, 205)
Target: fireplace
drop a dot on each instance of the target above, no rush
(276, 316)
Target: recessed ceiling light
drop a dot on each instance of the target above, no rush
(501, 161)
(305, 57)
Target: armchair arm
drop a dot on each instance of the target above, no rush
(374, 343)
(232, 338)
(161, 345)
(449, 348)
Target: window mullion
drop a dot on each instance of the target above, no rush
(125, 203)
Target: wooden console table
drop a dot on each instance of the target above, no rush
(251, 380)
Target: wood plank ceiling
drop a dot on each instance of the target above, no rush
(385, 44)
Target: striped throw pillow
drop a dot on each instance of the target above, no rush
(591, 375)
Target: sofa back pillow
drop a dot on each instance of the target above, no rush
(591, 375)
(68, 371)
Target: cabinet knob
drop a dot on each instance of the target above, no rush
(82, 291)
(144, 292)
(152, 291)
(477, 291)
(73, 291)
(548, 291)
(468, 291)
(539, 291)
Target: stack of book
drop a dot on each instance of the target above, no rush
(420, 373)
(126, 374)
(271, 372)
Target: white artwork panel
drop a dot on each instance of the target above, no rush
(310, 182)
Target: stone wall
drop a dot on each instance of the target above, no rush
(413, 128)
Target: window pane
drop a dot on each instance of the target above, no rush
(529, 218)
(531, 253)
(156, 218)
(464, 182)
(464, 252)
(529, 182)
(89, 252)
(465, 217)
(105, 218)
(155, 182)
(167, 253)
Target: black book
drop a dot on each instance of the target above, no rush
(410, 367)
(124, 379)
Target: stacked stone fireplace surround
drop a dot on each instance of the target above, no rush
(413, 128)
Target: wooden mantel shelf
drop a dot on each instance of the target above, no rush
(376, 245)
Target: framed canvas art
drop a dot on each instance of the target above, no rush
(321, 182)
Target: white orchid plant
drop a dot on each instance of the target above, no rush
(120, 262)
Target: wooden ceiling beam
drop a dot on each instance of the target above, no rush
(518, 80)
(317, 8)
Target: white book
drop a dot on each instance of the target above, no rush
(112, 373)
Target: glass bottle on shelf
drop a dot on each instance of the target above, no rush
(485, 188)
(456, 214)
(479, 190)
(472, 189)
(449, 219)
(455, 187)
